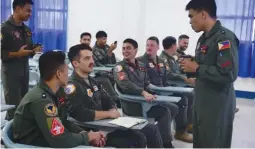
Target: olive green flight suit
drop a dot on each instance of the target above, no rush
(41, 120)
(215, 100)
(14, 71)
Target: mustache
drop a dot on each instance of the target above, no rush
(91, 65)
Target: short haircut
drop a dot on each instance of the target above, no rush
(49, 63)
(168, 42)
(154, 38)
(132, 42)
(74, 51)
(21, 3)
(207, 5)
(101, 34)
(183, 36)
(85, 34)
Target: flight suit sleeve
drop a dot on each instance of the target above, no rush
(4, 42)
(107, 101)
(75, 105)
(225, 70)
(123, 82)
(47, 118)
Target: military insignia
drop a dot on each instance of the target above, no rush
(69, 89)
(224, 45)
(61, 100)
(121, 76)
(165, 60)
(142, 68)
(43, 95)
(161, 65)
(151, 65)
(118, 68)
(203, 48)
(89, 93)
(95, 88)
(50, 110)
(131, 69)
(227, 63)
(167, 67)
(55, 126)
(16, 34)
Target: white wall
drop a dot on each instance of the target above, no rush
(137, 19)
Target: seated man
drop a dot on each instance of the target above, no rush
(158, 73)
(89, 101)
(38, 119)
(131, 78)
(105, 78)
(102, 52)
(183, 43)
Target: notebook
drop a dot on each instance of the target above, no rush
(127, 122)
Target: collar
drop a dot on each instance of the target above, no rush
(77, 77)
(214, 29)
(12, 22)
(131, 64)
(148, 58)
(46, 88)
(168, 56)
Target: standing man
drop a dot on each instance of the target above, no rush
(102, 52)
(85, 38)
(216, 68)
(16, 47)
(183, 43)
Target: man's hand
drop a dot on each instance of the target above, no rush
(38, 49)
(148, 97)
(113, 47)
(114, 113)
(97, 138)
(188, 66)
(23, 52)
(191, 81)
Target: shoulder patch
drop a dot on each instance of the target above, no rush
(69, 89)
(165, 60)
(55, 126)
(51, 110)
(118, 68)
(224, 45)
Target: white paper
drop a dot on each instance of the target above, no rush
(127, 122)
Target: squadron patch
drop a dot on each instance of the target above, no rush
(121, 76)
(161, 65)
(89, 92)
(118, 68)
(151, 65)
(95, 88)
(70, 88)
(50, 110)
(55, 126)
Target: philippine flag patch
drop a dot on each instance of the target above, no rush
(224, 45)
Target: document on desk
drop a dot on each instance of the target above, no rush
(127, 122)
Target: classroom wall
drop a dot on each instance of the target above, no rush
(137, 19)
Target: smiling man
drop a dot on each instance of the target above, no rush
(216, 68)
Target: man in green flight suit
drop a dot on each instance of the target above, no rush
(16, 47)
(41, 118)
(216, 68)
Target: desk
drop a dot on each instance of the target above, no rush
(5, 107)
(104, 125)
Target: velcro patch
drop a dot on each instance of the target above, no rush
(56, 127)
(118, 68)
(51, 110)
(89, 92)
(70, 88)
(227, 63)
(121, 76)
(224, 45)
